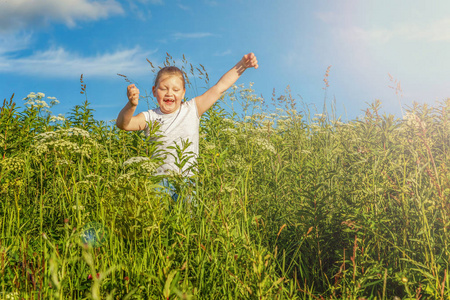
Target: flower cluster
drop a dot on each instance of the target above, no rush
(60, 117)
(236, 162)
(36, 101)
(93, 177)
(135, 160)
(210, 146)
(63, 145)
(64, 162)
(124, 178)
(143, 163)
(78, 207)
(60, 133)
(109, 161)
(148, 167)
(75, 131)
(62, 140)
(264, 144)
(12, 163)
(414, 121)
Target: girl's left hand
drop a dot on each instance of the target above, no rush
(250, 61)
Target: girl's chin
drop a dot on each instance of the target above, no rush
(168, 109)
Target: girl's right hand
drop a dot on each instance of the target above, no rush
(133, 94)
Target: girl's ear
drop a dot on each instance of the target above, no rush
(154, 91)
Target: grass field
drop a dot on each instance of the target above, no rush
(286, 205)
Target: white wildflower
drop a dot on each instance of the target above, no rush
(41, 104)
(84, 182)
(229, 188)
(60, 117)
(135, 160)
(53, 100)
(315, 126)
(63, 162)
(414, 121)
(12, 163)
(40, 148)
(93, 177)
(148, 167)
(109, 161)
(282, 124)
(41, 95)
(79, 207)
(12, 296)
(235, 161)
(264, 144)
(267, 123)
(50, 135)
(230, 130)
(233, 140)
(77, 131)
(49, 141)
(126, 176)
(30, 96)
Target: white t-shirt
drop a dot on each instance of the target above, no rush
(182, 125)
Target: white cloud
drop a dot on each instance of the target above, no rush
(14, 43)
(195, 35)
(223, 53)
(160, 2)
(59, 63)
(22, 14)
(141, 12)
(326, 16)
(435, 31)
(184, 7)
(211, 2)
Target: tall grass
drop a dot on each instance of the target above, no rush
(286, 205)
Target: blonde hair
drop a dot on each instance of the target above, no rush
(170, 71)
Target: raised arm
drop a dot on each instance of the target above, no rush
(126, 120)
(205, 101)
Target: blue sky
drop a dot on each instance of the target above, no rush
(45, 45)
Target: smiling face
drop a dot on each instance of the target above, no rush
(169, 92)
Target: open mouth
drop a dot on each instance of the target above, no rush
(169, 100)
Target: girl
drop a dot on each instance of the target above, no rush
(179, 121)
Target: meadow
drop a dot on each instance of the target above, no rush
(287, 203)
